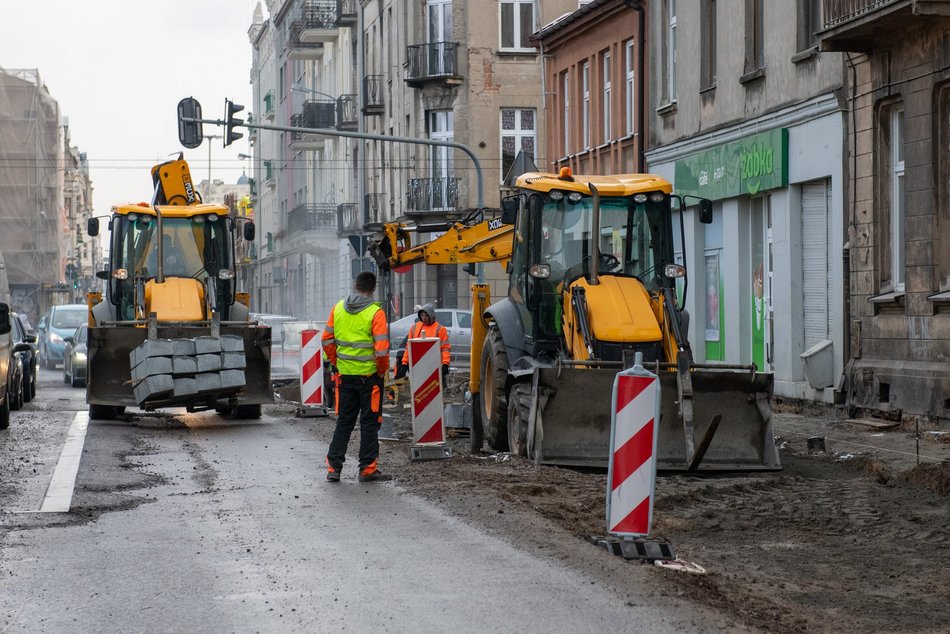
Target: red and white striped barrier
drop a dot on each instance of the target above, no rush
(425, 383)
(631, 475)
(311, 373)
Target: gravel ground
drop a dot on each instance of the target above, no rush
(850, 539)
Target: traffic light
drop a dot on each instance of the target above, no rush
(189, 132)
(231, 109)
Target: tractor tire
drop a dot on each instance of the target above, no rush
(103, 412)
(492, 395)
(519, 408)
(247, 412)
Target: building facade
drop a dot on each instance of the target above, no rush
(439, 70)
(34, 236)
(594, 63)
(898, 313)
(746, 112)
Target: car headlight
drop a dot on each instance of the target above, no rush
(80, 356)
(54, 338)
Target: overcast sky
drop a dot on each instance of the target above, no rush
(118, 69)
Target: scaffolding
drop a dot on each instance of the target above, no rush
(32, 210)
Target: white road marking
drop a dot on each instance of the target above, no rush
(59, 495)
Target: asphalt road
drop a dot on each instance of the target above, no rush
(193, 522)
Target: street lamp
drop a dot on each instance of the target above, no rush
(209, 137)
(299, 88)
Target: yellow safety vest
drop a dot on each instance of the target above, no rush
(355, 354)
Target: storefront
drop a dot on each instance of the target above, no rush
(765, 277)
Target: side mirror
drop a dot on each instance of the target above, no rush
(5, 325)
(509, 210)
(102, 275)
(68, 339)
(705, 211)
(249, 231)
(92, 226)
(31, 338)
(22, 346)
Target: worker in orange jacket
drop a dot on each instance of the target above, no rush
(428, 327)
(356, 340)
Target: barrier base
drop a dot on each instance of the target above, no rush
(429, 452)
(312, 411)
(645, 549)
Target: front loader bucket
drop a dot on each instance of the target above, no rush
(733, 408)
(569, 423)
(109, 379)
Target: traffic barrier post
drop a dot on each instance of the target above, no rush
(311, 375)
(631, 473)
(425, 385)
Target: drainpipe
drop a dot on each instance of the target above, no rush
(641, 82)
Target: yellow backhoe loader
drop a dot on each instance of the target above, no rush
(172, 330)
(593, 282)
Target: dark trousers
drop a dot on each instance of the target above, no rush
(357, 400)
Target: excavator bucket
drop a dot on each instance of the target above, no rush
(569, 420)
(109, 370)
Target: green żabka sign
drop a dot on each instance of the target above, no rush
(742, 168)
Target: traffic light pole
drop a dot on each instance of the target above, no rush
(480, 203)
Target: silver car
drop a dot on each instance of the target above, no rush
(458, 322)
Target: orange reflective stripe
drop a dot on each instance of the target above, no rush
(374, 401)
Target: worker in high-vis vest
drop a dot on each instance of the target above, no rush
(356, 340)
(429, 327)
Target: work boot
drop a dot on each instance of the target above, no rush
(333, 475)
(374, 476)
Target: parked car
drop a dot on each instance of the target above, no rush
(11, 369)
(58, 322)
(458, 322)
(27, 356)
(74, 357)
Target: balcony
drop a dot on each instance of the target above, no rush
(373, 95)
(373, 207)
(433, 62)
(269, 179)
(855, 25)
(269, 105)
(350, 219)
(312, 228)
(347, 113)
(315, 114)
(346, 12)
(317, 22)
(426, 195)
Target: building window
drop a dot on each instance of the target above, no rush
(566, 93)
(629, 101)
(517, 135)
(669, 52)
(585, 105)
(754, 40)
(517, 24)
(895, 139)
(708, 45)
(607, 101)
(809, 23)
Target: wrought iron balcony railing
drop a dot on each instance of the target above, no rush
(319, 14)
(373, 95)
(350, 219)
(373, 207)
(346, 12)
(347, 112)
(836, 12)
(433, 61)
(321, 218)
(432, 194)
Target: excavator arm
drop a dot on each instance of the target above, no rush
(459, 243)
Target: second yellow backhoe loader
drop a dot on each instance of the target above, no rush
(171, 329)
(592, 282)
